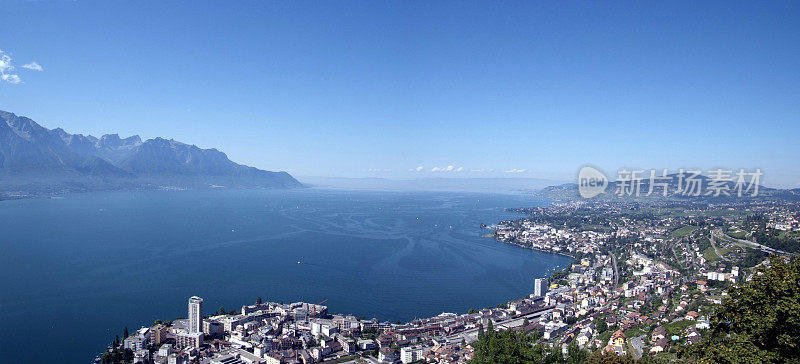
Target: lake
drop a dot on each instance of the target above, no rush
(77, 269)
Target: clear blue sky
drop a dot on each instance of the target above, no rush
(342, 88)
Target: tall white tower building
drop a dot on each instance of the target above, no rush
(195, 314)
(539, 287)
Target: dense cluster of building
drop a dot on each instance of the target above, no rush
(651, 279)
(638, 284)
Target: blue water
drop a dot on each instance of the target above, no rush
(76, 270)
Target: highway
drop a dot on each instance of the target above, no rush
(719, 234)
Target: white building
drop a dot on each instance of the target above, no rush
(607, 274)
(165, 350)
(138, 341)
(195, 315)
(539, 287)
(135, 342)
(583, 339)
(184, 340)
(141, 356)
(410, 354)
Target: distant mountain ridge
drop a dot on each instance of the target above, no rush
(34, 159)
(569, 191)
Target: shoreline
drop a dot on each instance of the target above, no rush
(503, 308)
(502, 305)
(536, 249)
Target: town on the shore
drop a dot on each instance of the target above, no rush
(645, 279)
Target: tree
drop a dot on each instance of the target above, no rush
(127, 356)
(117, 356)
(649, 359)
(125, 333)
(759, 322)
(601, 325)
(600, 357)
(258, 300)
(576, 355)
(513, 347)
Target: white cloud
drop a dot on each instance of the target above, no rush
(515, 170)
(5, 62)
(33, 66)
(449, 168)
(7, 69)
(11, 78)
(418, 169)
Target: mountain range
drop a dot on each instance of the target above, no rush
(36, 160)
(570, 192)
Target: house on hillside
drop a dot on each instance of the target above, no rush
(659, 346)
(618, 338)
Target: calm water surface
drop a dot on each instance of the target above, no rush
(76, 270)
